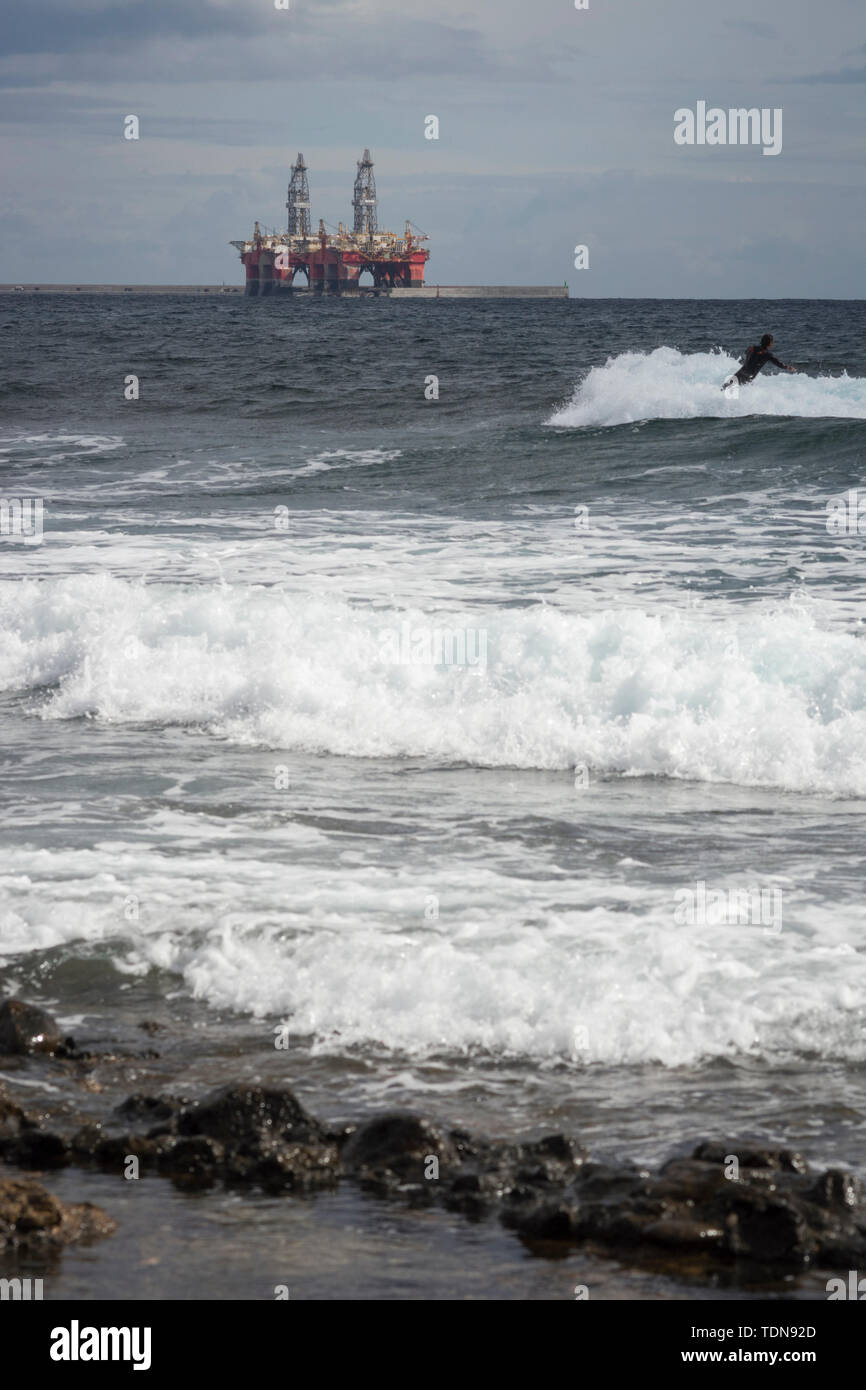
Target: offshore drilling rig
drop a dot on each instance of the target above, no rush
(333, 264)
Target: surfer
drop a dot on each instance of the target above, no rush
(755, 359)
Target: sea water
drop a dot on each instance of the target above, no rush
(247, 787)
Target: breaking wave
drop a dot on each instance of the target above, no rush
(580, 969)
(768, 698)
(671, 385)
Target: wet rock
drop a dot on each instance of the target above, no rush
(150, 1109)
(769, 1230)
(91, 1146)
(112, 1151)
(548, 1161)
(237, 1134)
(558, 1147)
(773, 1216)
(550, 1221)
(608, 1205)
(472, 1194)
(748, 1156)
(234, 1113)
(37, 1148)
(518, 1177)
(837, 1188)
(25, 1028)
(83, 1143)
(13, 1120)
(398, 1144)
(24, 1142)
(194, 1162)
(31, 1219)
(682, 1234)
(278, 1167)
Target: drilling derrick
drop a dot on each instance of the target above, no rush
(298, 200)
(364, 198)
(333, 264)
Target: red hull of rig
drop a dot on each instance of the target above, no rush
(332, 264)
(328, 268)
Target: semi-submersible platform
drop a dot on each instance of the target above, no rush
(333, 263)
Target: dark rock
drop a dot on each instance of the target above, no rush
(748, 1156)
(111, 1151)
(399, 1144)
(194, 1162)
(558, 1146)
(473, 1205)
(150, 1108)
(83, 1143)
(467, 1182)
(769, 1230)
(234, 1113)
(772, 1215)
(33, 1220)
(24, 1028)
(472, 1194)
(837, 1188)
(685, 1235)
(602, 1180)
(242, 1134)
(550, 1221)
(617, 1227)
(13, 1120)
(278, 1167)
(91, 1144)
(37, 1148)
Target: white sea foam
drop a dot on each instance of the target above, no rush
(73, 446)
(671, 385)
(345, 458)
(768, 697)
(579, 969)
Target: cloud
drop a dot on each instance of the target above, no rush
(753, 26)
(40, 26)
(843, 76)
(194, 41)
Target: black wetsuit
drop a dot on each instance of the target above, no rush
(756, 358)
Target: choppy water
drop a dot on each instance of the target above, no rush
(238, 790)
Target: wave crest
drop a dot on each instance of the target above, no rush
(768, 698)
(671, 385)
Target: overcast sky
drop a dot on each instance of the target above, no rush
(556, 129)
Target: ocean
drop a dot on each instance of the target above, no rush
(471, 690)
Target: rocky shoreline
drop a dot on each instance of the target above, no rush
(727, 1205)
